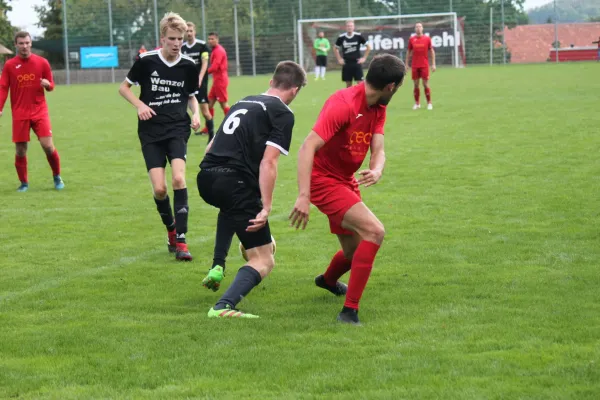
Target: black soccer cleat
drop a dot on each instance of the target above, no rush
(348, 316)
(339, 289)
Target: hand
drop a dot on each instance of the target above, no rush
(361, 60)
(341, 61)
(369, 177)
(299, 214)
(433, 68)
(1, 112)
(45, 83)
(145, 112)
(196, 121)
(259, 222)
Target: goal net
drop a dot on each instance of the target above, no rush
(387, 34)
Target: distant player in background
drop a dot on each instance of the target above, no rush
(169, 82)
(598, 43)
(419, 47)
(218, 69)
(349, 125)
(322, 47)
(26, 76)
(238, 176)
(349, 45)
(198, 51)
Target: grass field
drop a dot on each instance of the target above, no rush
(487, 285)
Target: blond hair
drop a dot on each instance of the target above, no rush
(173, 21)
(191, 25)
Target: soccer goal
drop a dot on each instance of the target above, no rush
(388, 34)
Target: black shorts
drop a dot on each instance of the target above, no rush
(202, 95)
(352, 70)
(321, 61)
(238, 201)
(156, 154)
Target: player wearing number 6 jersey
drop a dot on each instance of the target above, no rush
(350, 124)
(238, 175)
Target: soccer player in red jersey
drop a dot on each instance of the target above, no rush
(350, 123)
(419, 46)
(218, 69)
(26, 76)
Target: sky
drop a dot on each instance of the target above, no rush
(23, 15)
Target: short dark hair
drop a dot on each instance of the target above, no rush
(385, 69)
(21, 35)
(215, 34)
(288, 75)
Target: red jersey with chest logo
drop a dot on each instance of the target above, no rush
(23, 77)
(420, 46)
(347, 125)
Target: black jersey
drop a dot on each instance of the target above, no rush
(197, 52)
(251, 125)
(166, 88)
(349, 46)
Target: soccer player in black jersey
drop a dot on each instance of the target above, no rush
(348, 44)
(168, 81)
(238, 176)
(198, 51)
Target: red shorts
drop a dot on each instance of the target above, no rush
(218, 93)
(421, 72)
(334, 198)
(21, 129)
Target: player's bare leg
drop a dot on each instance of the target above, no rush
(364, 223)
(417, 94)
(339, 265)
(53, 159)
(163, 205)
(259, 266)
(21, 165)
(348, 84)
(427, 93)
(181, 208)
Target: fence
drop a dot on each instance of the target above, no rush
(258, 33)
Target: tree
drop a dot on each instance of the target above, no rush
(7, 31)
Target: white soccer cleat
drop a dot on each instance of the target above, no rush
(416, 106)
(430, 106)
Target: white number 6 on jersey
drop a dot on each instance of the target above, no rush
(232, 122)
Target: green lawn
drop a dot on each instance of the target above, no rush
(487, 285)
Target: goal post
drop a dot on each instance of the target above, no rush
(388, 34)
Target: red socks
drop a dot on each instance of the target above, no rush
(225, 110)
(362, 264)
(339, 266)
(417, 94)
(212, 112)
(428, 94)
(21, 166)
(54, 161)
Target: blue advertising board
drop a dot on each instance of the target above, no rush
(99, 57)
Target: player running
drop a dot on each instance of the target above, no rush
(350, 123)
(322, 47)
(419, 46)
(26, 76)
(218, 69)
(169, 81)
(198, 51)
(349, 44)
(238, 177)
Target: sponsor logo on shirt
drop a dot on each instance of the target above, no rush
(361, 138)
(25, 80)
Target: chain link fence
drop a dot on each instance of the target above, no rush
(100, 39)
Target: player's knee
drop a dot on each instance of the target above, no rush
(160, 192)
(376, 232)
(21, 150)
(178, 182)
(48, 149)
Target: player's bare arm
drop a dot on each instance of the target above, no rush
(144, 112)
(46, 85)
(306, 156)
(408, 55)
(372, 175)
(340, 60)
(195, 109)
(266, 179)
(364, 58)
(432, 52)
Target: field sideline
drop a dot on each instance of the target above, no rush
(486, 287)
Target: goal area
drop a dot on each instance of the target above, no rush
(387, 34)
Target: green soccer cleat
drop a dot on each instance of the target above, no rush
(213, 280)
(228, 312)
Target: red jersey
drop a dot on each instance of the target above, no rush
(420, 46)
(347, 125)
(23, 76)
(218, 65)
